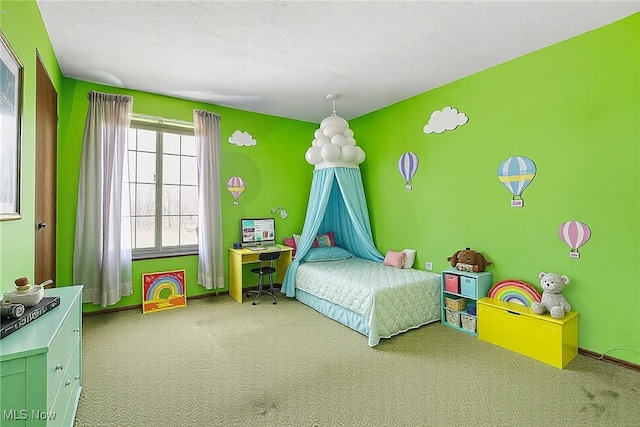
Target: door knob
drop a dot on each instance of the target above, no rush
(41, 225)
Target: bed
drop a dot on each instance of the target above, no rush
(376, 300)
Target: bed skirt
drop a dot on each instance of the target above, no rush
(345, 316)
(335, 312)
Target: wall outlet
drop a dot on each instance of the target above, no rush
(429, 265)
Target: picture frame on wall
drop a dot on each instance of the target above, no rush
(11, 87)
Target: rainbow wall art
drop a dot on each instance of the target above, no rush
(515, 291)
(163, 291)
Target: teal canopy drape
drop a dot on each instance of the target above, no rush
(336, 203)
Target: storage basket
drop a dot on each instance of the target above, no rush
(452, 283)
(453, 317)
(471, 309)
(468, 322)
(455, 304)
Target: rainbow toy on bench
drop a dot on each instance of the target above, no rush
(515, 291)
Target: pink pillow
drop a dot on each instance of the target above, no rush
(394, 259)
(289, 241)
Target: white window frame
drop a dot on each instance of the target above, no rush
(160, 125)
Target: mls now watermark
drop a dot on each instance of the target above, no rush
(23, 414)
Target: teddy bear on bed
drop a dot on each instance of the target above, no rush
(469, 260)
(552, 299)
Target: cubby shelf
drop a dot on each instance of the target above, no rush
(470, 286)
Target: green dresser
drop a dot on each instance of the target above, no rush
(41, 366)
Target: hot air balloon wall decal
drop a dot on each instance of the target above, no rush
(516, 173)
(408, 165)
(574, 234)
(236, 187)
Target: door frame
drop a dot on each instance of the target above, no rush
(45, 209)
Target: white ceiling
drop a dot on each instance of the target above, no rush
(284, 57)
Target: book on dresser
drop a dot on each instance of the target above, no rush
(9, 325)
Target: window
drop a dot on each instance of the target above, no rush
(163, 179)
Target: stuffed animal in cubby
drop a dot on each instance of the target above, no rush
(469, 260)
(552, 299)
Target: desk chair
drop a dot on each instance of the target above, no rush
(266, 269)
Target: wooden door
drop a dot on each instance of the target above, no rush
(46, 157)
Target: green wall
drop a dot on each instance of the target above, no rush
(22, 25)
(272, 171)
(574, 109)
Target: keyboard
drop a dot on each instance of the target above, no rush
(262, 248)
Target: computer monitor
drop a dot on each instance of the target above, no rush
(258, 231)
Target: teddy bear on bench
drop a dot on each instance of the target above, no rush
(552, 299)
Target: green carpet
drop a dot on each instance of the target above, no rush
(220, 363)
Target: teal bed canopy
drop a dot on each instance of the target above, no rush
(336, 203)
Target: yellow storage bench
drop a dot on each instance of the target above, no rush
(541, 337)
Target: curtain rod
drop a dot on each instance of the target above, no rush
(94, 94)
(162, 120)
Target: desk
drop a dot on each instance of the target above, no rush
(239, 257)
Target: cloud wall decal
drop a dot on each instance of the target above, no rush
(447, 119)
(242, 139)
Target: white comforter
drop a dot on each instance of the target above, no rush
(391, 300)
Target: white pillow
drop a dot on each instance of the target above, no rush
(410, 257)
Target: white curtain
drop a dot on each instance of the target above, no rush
(210, 267)
(102, 252)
